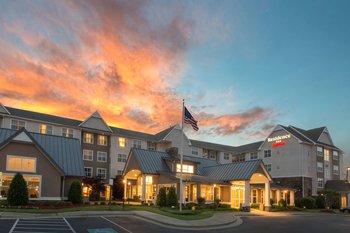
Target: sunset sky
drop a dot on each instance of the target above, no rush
(241, 66)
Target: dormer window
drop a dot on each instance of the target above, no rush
(185, 168)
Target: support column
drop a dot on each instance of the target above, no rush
(291, 197)
(267, 196)
(247, 193)
(278, 196)
(143, 189)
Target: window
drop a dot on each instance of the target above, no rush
(119, 172)
(335, 155)
(326, 155)
(319, 151)
(195, 150)
(121, 158)
(102, 173)
(33, 185)
(151, 146)
(254, 155)
(148, 179)
(185, 168)
(88, 138)
(320, 182)
(68, 133)
(254, 196)
(46, 129)
(212, 155)
(205, 153)
(88, 171)
(319, 166)
(122, 142)
(88, 155)
(101, 156)
(20, 163)
(226, 156)
(268, 167)
(136, 144)
(102, 140)
(335, 169)
(16, 124)
(207, 191)
(241, 158)
(267, 153)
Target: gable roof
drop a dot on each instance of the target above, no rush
(65, 153)
(3, 110)
(251, 147)
(312, 134)
(211, 146)
(162, 134)
(95, 121)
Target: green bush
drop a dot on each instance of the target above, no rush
(171, 197)
(308, 202)
(190, 205)
(282, 203)
(74, 194)
(161, 197)
(224, 206)
(3, 203)
(201, 201)
(272, 201)
(18, 192)
(217, 203)
(254, 206)
(102, 203)
(320, 202)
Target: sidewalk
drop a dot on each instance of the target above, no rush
(218, 220)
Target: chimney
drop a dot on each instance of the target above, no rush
(173, 152)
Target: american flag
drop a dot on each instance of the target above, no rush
(190, 120)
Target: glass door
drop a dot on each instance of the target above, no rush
(237, 196)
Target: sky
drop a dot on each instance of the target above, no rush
(242, 66)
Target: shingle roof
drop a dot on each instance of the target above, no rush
(65, 152)
(162, 134)
(296, 134)
(338, 185)
(212, 146)
(252, 147)
(233, 171)
(313, 134)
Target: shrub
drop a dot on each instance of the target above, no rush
(18, 191)
(308, 202)
(201, 201)
(171, 197)
(282, 203)
(102, 203)
(190, 205)
(254, 206)
(74, 194)
(216, 203)
(272, 201)
(161, 197)
(320, 202)
(224, 206)
(87, 203)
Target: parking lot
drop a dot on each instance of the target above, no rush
(131, 224)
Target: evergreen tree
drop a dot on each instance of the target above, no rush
(171, 197)
(161, 197)
(74, 194)
(18, 191)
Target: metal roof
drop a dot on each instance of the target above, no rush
(150, 162)
(338, 185)
(251, 147)
(233, 171)
(64, 152)
(212, 146)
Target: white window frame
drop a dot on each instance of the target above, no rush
(213, 155)
(64, 135)
(92, 138)
(335, 171)
(151, 148)
(98, 158)
(92, 172)
(253, 153)
(195, 150)
(120, 156)
(186, 168)
(319, 151)
(119, 172)
(335, 155)
(326, 155)
(92, 155)
(319, 181)
(268, 167)
(17, 125)
(25, 174)
(267, 153)
(226, 156)
(21, 157)
(97, 173)
(320, 168)
(98, 140)
(41, 131)
(120, 139)
(138, 144)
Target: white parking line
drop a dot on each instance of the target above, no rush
(69, 225)
(116, 224)
(14, 225)
(41, 225)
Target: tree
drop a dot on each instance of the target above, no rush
(330, 197)
(97, 186)
(171, 197)
(18, 191)
(308, 202)
(161, 197)
(74, 194)
(118, 188)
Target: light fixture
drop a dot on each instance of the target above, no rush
(214, 185)
(259, 174)
(124, 181)
(129, 183)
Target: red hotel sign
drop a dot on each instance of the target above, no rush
(278, 144)
(277, 141)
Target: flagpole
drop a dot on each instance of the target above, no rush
(181, 153)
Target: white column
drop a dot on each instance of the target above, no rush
(143, 191)
(278, 196)
(247, 193)
(267, 196)
(125, 186)
(291, 197)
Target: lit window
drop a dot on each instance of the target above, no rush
(88, 138)
(20, 163)
(268, 167)
(148, 179)
(102, 173)
(319, 151)
(320, 182)
(151, 146)
(136, 144)
(102, 140)
(88, 155)
(335, 169)
(326, 155)
(226, 156)
(319, 166)
(88, 171)
(207, 191)
(267, 153)
(122, 142)
(101, 156)
(121, 158)
(194, 150)
(33, 185)
(16, 124)
(185, 168)
(68, 133)
(46, 129)
(254, 155)
(335, 155)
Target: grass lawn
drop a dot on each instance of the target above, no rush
(185, 215)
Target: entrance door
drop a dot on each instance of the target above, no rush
(237, 196)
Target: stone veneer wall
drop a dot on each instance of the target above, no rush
(296, 183)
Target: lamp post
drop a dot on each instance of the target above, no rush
(214, 196)
(124, 182)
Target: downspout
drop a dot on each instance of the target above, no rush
(63, 181)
